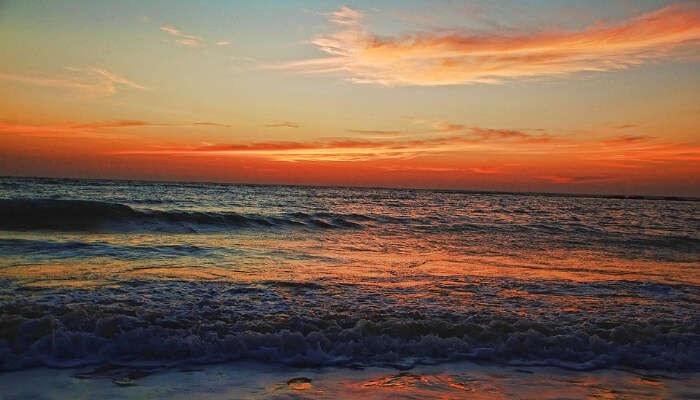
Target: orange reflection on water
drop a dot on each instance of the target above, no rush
(648, 381)
(52, 275)
(404, 267)
(437, 386)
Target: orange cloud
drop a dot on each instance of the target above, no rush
(486, 170)
(640, 149)
(406, 168)
(623, 150)
(475, 170)
(427, 59)
(216, 124)
(465, 161)
(350, 149)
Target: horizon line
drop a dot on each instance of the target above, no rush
(463, 191)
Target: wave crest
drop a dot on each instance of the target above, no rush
(86, 215)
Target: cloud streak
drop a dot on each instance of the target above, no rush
(88, 129)
(568, 180)
(377, 133)
(341, 149)
(213, 124)
(65, 130)
(625, 151)
(90, 81)
(284, 124)
(462, 57)
(181, 38)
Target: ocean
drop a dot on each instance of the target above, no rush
(442, 293)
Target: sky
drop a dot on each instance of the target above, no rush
(532, 95)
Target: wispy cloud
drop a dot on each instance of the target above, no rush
(353, 149)
(639, 149)
(409, 168)
(377, 133)
(90, 81)
(181, 38)
(223, 43)
(69, 130)
(463, 57)
(625, 127)
(332, 149)
(486, 170)
(561, 180)
(436, 126)
(215, 124)
(89, 129)
(509, 134)
(114, 124)
(284, 124)
(471, 170)
(627, 139)
(243, 63)
(345, 16)
(446, 127)
(622, 150)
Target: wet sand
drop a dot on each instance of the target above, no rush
(251, 380)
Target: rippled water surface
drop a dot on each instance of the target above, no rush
(156, 274)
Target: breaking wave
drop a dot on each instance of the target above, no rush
(168, 323)
(542, 232)
(87, 215)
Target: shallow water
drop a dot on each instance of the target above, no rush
(248, 380)
(95, 272)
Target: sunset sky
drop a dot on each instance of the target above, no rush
(557, 96)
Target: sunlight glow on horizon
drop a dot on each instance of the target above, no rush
(401, 95)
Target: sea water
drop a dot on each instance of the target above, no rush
(128, 276)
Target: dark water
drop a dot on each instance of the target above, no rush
(165, 273)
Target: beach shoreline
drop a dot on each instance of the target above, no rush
(255, 380)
